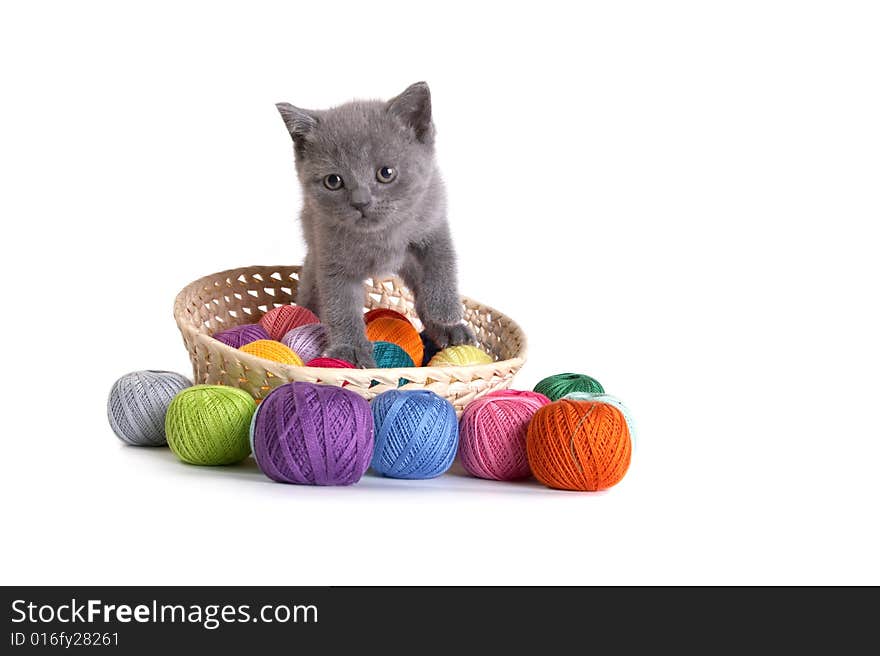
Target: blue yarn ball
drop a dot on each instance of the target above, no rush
(416, 434)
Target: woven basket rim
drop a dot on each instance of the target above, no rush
(201, 334)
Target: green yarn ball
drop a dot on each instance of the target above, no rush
(556, 386)
(208, 424)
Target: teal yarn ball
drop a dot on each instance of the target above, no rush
(556, 386)
(416, 434)
(611, 400)
(390, 356)
(137, 404)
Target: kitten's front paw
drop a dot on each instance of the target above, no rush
(360, 355)
(445, 335)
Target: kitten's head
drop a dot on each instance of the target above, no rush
(365, 164)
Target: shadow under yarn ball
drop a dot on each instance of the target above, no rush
(137, 404)
(209, 424)
(312, 434)
(416, 434)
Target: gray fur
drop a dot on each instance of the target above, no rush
(369, 228)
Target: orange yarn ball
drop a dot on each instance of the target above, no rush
(272, 350)
(396, 331)
(278, 321)
(375, 313)
(578, 445)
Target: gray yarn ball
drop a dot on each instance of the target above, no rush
(138, 402)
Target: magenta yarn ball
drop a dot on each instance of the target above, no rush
(308, 341)
(492, 433)
(313, 434)
(238, 336)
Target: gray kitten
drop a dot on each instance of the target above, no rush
(373, 204)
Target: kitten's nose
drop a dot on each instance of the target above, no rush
(360, 197)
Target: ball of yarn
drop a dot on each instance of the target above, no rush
(283, 318)
(313, 435)
(429, 346)
(330, 363)
(389, 356)
(556, 386)
(238, 336)
(308, 341)
(578, 445)
(459, 356)
(402, 333)
(138, 402)
(492, 430)
(617, 403)
(416, 434)
(272, 350)
(375, 313)
(208, 424)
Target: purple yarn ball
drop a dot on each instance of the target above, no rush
(313, 434)
(238, 336)
(308, 341)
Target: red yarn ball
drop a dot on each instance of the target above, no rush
(331, 363)
(278, 321)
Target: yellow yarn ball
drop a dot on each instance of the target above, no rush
(272, 350)
(459, 356)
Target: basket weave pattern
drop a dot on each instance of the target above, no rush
(238, 296)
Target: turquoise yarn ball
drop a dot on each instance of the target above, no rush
(390, 356)
(416, 434)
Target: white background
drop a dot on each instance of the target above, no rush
(679, 199)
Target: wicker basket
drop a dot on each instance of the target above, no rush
(237, 296)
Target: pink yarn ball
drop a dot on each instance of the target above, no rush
(308, 341)
(492, 432)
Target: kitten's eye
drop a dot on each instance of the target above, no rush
(333, 182)
(386, 174)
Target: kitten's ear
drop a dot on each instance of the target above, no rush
(299, 122)
(413, 107)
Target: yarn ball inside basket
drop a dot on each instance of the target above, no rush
(313, 434)
(208, 424)
(238, 336)
(375, 313)
(462, 355)
(579, 445)
(272, 350)
(390, 356)
(330, 363)
(558, 385)
(396, 331)
(492, 429)
(308, 341)
(278, 321)
(416, 434)
(137, 404)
